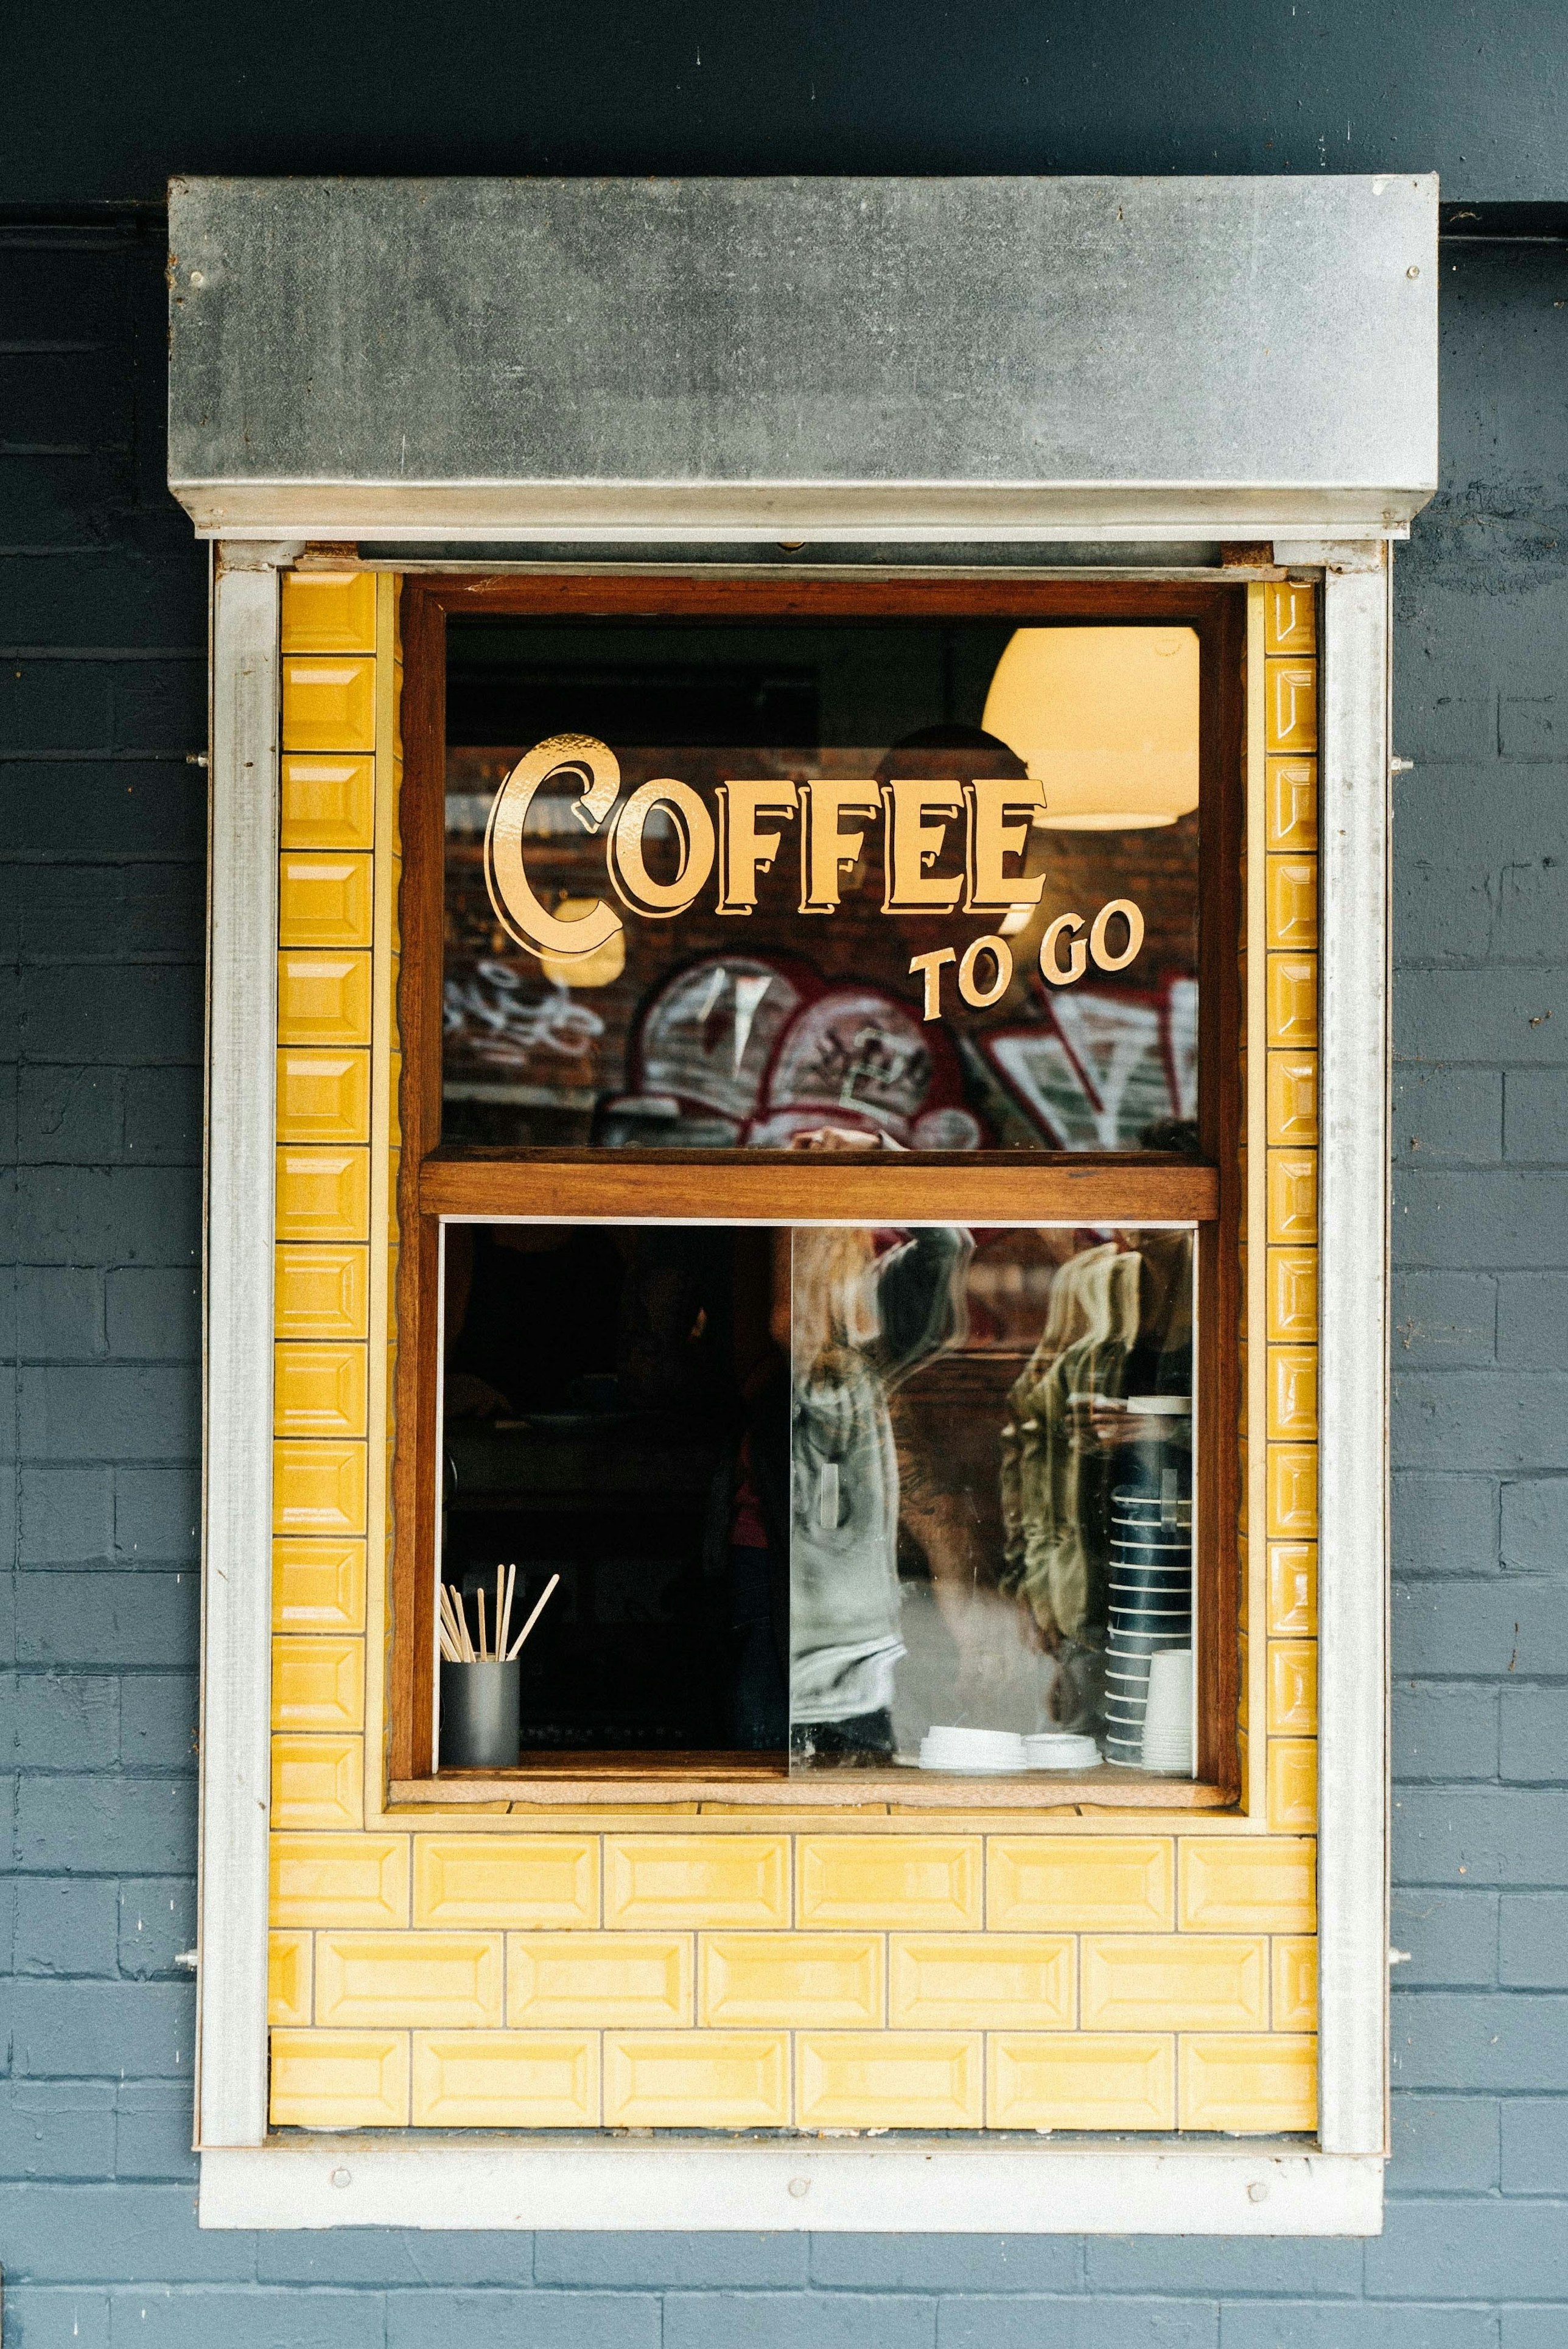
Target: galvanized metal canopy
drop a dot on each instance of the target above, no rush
(917, 360)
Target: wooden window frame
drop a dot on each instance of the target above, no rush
(778, 1187)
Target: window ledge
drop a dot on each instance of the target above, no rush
(1258, 2186)
(554, 1786)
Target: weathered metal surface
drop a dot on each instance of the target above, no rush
(901, 359)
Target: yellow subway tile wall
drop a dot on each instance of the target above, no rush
(715, 1968)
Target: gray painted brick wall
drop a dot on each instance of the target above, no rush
(101, 842)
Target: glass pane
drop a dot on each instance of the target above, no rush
(920, 1495)
(615, 1413)
(918, 886)
(992, 1499)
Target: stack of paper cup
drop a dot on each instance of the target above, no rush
(1168, 1716)
(1151, 1603)
(986, 1750)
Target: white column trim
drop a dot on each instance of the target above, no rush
(1353, 1365)
(236, 1573)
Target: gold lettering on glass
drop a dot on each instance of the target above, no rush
(827, 850)
(518, 910)
(743, 850)
(689, 818)
(979, 996)
(992, 799)
(913, 842)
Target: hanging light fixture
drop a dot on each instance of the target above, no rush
(1106, 719)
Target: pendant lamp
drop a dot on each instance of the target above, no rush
(1106, 719)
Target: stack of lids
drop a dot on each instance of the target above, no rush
(1061, 1749)
(989, 1750)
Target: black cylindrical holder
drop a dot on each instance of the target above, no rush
(479, 1715)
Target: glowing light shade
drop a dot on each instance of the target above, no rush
(1106, 719)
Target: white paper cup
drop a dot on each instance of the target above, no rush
(1168, 1716)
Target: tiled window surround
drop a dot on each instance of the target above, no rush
(707, 1971)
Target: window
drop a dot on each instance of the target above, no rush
(820, 1010)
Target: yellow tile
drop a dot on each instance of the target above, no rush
(1079, 2080)
(318, 1683)
(888, 2079)
(1292, 1783)
(1248, 2086)
(1292, 901)
(1294, 1970)
(506, 2079)
(1292, 1194)
(1290, 617)
(1290, 706)
(440, 1981)
(1291, 1097)
(340, 2079)
(324, 996)
(791, 1978)
(321, 1292)
(696, 2079)
(1244, 1885)
(318, 1781)
(714, 1880)
(288, 1978)
(331, 612)
(1292, 1293)
(1292, 992)
(958, 1981)
(328, 802)
(1292, 1588)
(318, 1488)
(318, 1587)
(323, 898)
(1292, 1490)
(1293, 1687)
(1292, 1395)
(598, 1979)
(1043, 1883)
(329, 702)
(323, 1194)
(1185, 1981)
(323, 1096)
(884, 1881)
(1292, 810)
(339, 1880)
(319, 1390)
(506, 1879)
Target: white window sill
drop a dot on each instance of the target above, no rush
(1258, 2186)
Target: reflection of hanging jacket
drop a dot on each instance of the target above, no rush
(1055, 1538)
(844, 1534)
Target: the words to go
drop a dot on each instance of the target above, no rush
(831, 816)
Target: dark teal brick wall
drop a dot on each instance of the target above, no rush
(101, 844)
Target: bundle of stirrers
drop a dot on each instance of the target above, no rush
(457, 1646)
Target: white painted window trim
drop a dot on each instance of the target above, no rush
(941, 2183)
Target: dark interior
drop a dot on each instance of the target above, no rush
(607, 1392)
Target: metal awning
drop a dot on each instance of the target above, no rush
(912, 360)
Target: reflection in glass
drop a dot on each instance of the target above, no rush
(875, 1497)
(991, 1514)
(741, 1023)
